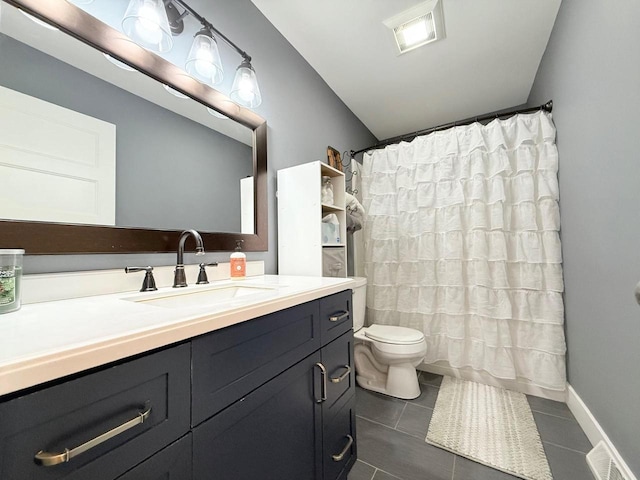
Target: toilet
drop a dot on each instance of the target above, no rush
(385, 356)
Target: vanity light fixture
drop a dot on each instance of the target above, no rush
(150, 23)
(203, 62)
(245, 90)
(147, 24)
(417, 26)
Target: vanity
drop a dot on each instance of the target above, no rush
(252, 386)
(216, 381)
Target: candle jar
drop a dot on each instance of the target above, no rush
(10, 279)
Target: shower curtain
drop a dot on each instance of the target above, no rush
(462, 243)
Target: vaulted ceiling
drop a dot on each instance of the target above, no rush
(487, 62)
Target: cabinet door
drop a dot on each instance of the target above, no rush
(337, 358)
(74, 412)
(336, 316)
(171, 463)
(339, 437)
(230, 363)
(274, 433)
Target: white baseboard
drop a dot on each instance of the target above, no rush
(593, 430)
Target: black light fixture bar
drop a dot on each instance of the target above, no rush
(205, 23)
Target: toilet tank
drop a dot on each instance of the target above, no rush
(359, 302)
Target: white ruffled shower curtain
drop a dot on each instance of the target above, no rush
(462, 243)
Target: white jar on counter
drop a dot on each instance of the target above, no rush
(10, 279)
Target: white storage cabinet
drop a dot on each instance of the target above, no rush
(301, 250)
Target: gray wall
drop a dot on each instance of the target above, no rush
(304, 116)
(159, 154)
(591, 70)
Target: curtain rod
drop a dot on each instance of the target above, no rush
(547, 107)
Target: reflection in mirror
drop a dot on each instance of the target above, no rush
(172, 170)
(177, 166)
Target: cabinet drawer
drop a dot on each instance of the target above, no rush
(171, 463)
(339, 437)
(230, 363)
(73, 413)
(337, 358)
(336, 316)
(274, 433)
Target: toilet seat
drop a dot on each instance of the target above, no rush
(394, 335)
(397, 351)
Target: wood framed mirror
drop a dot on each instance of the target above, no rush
(52, 237)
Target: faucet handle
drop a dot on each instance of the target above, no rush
(202, 275)
(149, 283)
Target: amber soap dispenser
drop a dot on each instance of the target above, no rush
(238, 263)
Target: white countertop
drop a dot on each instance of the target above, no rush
(49, 340)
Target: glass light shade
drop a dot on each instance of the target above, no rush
(119, 64)
(38, 21)
(174, 92)
(216, 114)
(203, 62)
(245, 90)
(146, 23)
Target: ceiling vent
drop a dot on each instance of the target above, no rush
(417, 26)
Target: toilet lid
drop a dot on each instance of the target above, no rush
(390, 334)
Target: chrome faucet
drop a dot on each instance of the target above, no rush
(179, 278)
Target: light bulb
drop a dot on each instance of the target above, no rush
(203, 62)
(146, 23)
(245, 88)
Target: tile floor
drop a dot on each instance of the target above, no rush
(391, 444)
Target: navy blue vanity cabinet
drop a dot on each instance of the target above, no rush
(229, 363)
(338, 410)
(336, 316)
(154, 388)
(171, 463)
(273, 433)
(339, 434)
(268, 398)
(278, 398)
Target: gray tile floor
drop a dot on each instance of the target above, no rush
(391, 444)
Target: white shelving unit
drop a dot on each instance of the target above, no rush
(300, 212)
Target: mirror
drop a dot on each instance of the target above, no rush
(150, 211)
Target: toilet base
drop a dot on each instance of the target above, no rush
(407, 389)
(398, 380)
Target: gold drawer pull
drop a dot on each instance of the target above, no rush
(339, 316)
(343, 376)
(48, 459)
(323, 388)
(340, 456)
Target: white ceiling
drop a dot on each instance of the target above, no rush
(487, 61)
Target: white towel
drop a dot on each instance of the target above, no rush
(355, 213)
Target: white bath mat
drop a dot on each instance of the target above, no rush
(489, 425)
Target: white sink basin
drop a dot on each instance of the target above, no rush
(203, 296)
